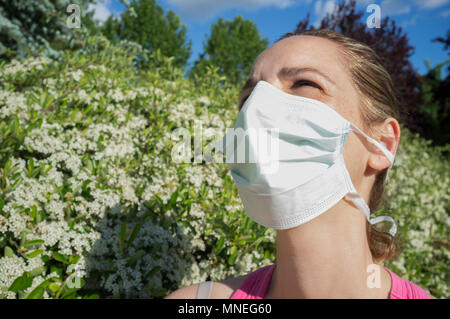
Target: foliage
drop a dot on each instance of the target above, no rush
(29, 27)
(391, 45)
(419, 203)
(445, 41)
(232, 47)
(145, 23)
(87, 180)
(90, 190)
(436, 104)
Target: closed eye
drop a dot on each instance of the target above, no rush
(297, 84)
(301, 83)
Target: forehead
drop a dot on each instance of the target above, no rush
(301, 51)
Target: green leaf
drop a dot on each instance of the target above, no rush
(258, 241)
(173, 198)
(8, 252)
(37, 293)
(74, 259)
(72, 295)
(134, 233)
(54, 287)
(60, 257)
(233, 255)
(244, 239)
(37, 271)
(40, 216)
(33, 242)
(56, 269)
(34, 212)
(35, 253)
(30, 166)
(220, 244)
(123, 228)
(21, 283)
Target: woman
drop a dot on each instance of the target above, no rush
(329, 254)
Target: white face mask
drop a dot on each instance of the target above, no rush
(305, 173)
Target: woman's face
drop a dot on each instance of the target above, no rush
(314, 67)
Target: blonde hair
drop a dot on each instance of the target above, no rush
(378, 102)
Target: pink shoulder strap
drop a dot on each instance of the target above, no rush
(255, 284)
(404, 289)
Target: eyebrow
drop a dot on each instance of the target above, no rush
(286, 72)
(291, 72)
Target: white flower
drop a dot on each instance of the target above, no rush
(77, 75)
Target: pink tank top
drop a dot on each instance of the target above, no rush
(256, 284)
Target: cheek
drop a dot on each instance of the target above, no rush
(354, 157)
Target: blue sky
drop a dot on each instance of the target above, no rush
(422, 20)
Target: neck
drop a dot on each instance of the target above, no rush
(327, 257)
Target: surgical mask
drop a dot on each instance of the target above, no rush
(288, 166)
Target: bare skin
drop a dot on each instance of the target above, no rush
(328, 256)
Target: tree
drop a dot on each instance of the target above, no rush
(436, 100)
(232, 47)
(446, 43)
(29, 26)
(391, 45)
(144, 22)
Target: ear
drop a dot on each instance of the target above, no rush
(388, 134)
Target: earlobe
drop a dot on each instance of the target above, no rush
(378, 161)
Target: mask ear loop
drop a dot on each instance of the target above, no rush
(378, 219)
(380, 146)
(359, 201)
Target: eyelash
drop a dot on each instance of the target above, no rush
(306, 82)
(309, 83)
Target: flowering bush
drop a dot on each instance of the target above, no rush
(419, 203)
(94, 205)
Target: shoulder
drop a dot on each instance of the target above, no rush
(219, 289)
(405, 289)
(189, 292)
(224, 289)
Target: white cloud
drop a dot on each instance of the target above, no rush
(322, 10)
(205, 9)
(393, 7)
(101, 10)
(431, 4)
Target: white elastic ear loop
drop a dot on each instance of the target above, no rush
(361, 204)
(380, 146)
(378, 219)
(359, 201)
